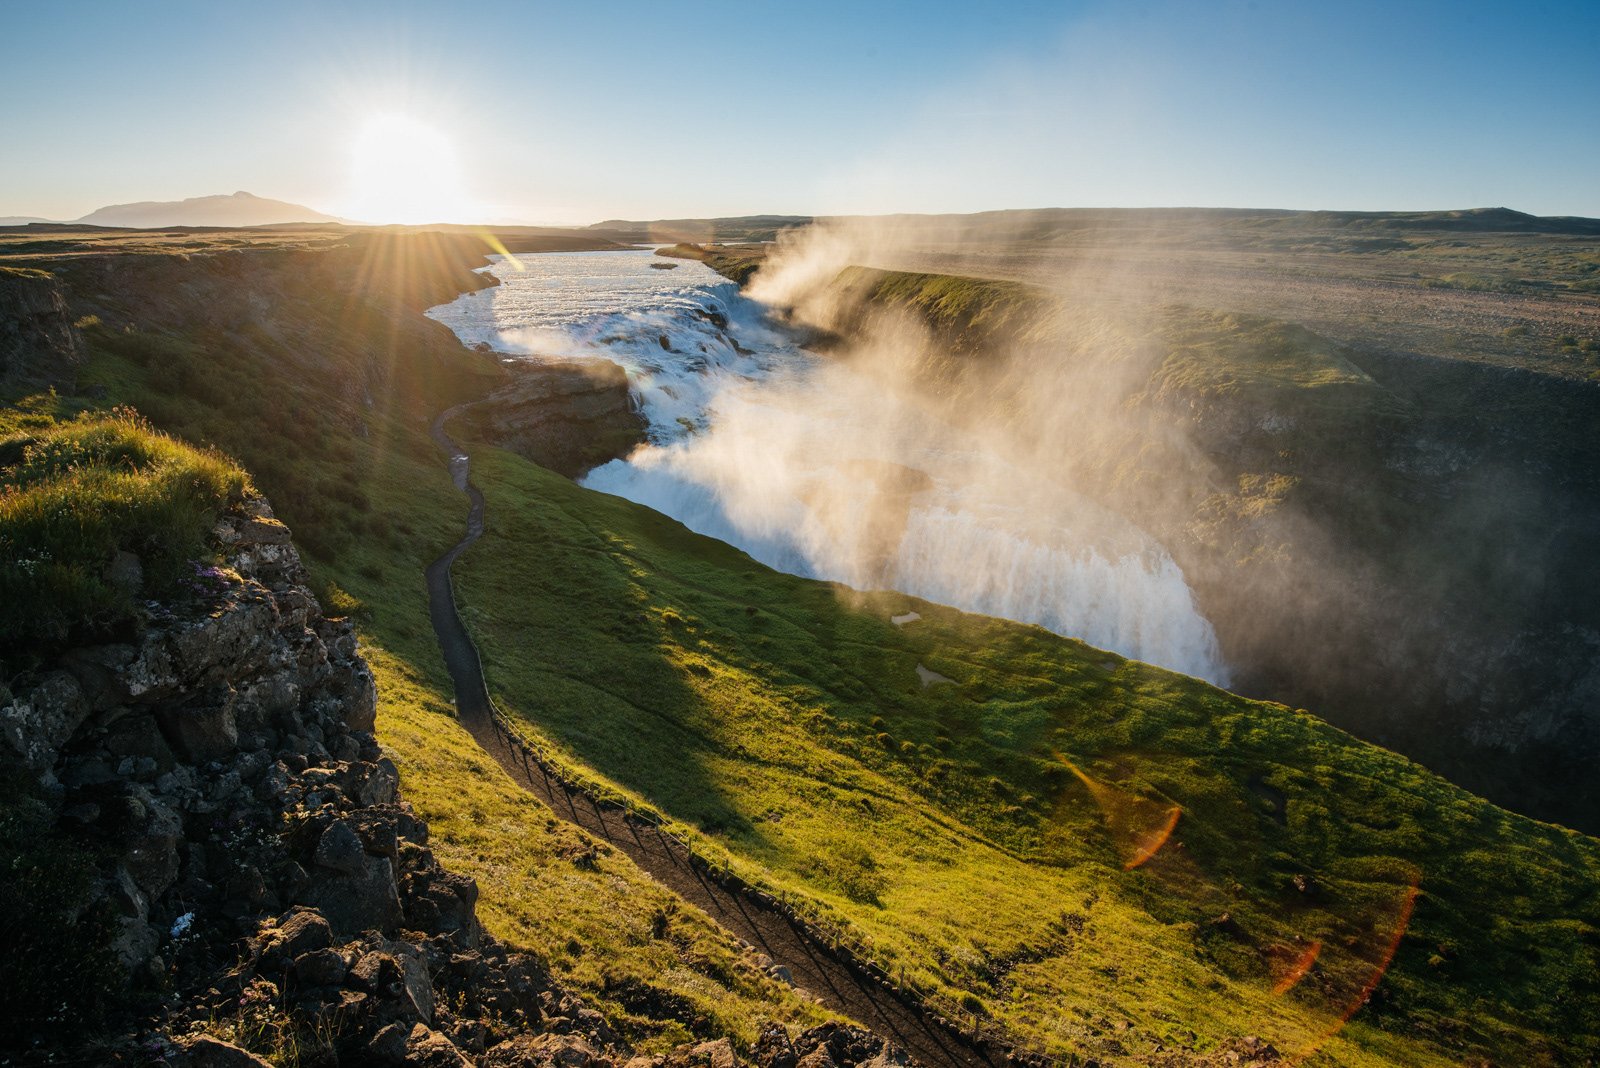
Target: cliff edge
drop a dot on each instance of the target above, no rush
(214, 864)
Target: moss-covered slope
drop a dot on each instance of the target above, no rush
(1000, 836)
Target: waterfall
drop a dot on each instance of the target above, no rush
(819, 471)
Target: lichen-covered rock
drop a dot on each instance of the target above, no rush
(36, 725)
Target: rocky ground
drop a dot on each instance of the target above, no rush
(271, 897)
(569, 415)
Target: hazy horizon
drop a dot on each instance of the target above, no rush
(545, 114)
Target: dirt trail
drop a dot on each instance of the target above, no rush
(840, 986)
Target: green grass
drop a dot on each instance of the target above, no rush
(736, 262)
(1213, 353)
(967, 314)
(370, 502)
(660, 969)
(74, 494)
(782, 721)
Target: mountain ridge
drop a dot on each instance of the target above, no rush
(238, 209)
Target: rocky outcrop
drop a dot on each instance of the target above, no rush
(166, 752)
(565, 414)
(737, 263)
(270, 889)
(37, 341)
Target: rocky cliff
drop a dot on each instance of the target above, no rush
(565, 414)
(37, 341)
(1396, 541)
(257, 885)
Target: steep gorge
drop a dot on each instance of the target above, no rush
(1328, 790)
(1391, 539)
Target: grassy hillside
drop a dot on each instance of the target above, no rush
(1397, 541)
(736, 262)
(999, 836)
(325, 392)
(1100, 856)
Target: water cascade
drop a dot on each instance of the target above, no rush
(816, 470)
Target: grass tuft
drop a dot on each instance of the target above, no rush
(74, 495)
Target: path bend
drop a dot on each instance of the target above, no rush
(840, 986)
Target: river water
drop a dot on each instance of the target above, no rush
(819, 471)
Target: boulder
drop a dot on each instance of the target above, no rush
(262, 530)
(388, 1046)
(397, 978)
(138, 735)
(302, 931)
(321, 967)
(359, 692)
(205, 729)
(34, 727)
(232, 641)
(134, 941)
(264, 700)
(207, 1051)
(367, 899)
(427, 1048)
(152, 857)
(340, 849)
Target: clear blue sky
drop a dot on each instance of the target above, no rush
(586, 110)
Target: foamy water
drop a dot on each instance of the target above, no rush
(820, 472)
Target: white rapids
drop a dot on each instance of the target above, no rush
(819, 471)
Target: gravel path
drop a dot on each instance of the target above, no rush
(842, 987)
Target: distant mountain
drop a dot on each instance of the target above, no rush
(241, 209)
(20, 220)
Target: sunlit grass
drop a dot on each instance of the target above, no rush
(370, 503)
(782, 721)
(74, 494)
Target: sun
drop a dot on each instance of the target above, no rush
(403, 170)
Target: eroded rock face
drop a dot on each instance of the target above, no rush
(568, 415)
(263, 864)
(37, 341)
(253, 665)
(174, 754)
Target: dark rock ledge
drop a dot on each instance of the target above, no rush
(269, 883)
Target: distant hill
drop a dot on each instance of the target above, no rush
(1048, 223)
(700, 231)
(240, 209)
(20, 220)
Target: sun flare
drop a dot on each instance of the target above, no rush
(403, 170)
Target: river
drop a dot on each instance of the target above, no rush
(819, 471)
